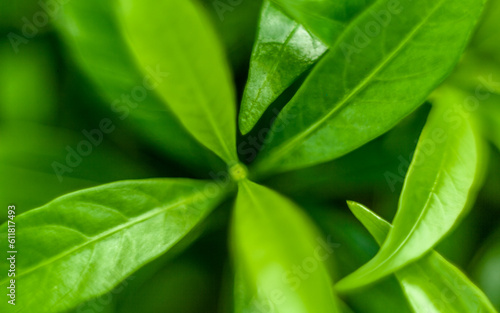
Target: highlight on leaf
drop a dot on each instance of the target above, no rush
(437, 188)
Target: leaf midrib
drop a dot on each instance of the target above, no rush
(275, 66)
(204, 102)
(441, 261)
(420, 217)
(105, 234)
(294, 141)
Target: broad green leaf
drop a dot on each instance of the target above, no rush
(83, 244)
(283, 50)
(177, 37)
(103, 304)
(382, 68)
(431, 284)
(40, 165)
(99, 49)
(437, 187)
(279, 253)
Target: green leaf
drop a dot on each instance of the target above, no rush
(279, 252)
(83, 244)
(177, 37)
(283, 50)
(355, 248)
(40, 165)
(382, 68)
(99, 49)
(431, 284)
(324, 18)
(247, 301)
(437, 186)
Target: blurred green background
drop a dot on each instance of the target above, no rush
(48, 97)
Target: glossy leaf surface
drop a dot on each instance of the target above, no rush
(279, 253)
(431, 284)
(373, 77)
(437, 186)
(181, 42)
(283, 50)
(83, 244)
(324, 18)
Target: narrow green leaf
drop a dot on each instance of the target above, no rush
(177, 37)
(382, 68)
(283, 50)
(431, 284)
(355, 248)
(324, 18)
(280, 253)
(100, 51)
(246, 301)
(83, 244)
(437, 186)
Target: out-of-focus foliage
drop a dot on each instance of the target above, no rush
(337, 101)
